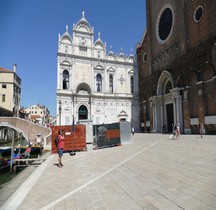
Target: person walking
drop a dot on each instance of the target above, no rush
(178, 132)
(173, 131)
(201, 129)
(132, 130)
(60, 147)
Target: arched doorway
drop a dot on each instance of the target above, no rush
(83, 113)
(167, 104)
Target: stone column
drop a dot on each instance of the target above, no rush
(158, 117)
(201, 109)
(154, 115)
(174, 110)
(161, 111)
(157, 114)
(179, 111)
(178, 101)
(177, 106)
(186, 113)
(90, 107)
(58, 72)
(76, 117)
(60, 81)
(151, 114)
(144, 115)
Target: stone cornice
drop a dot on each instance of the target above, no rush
(116, 96)
(97, 59)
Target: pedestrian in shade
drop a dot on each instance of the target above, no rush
(132, 130)
(201, 128)
(178, 131)
(174, 127)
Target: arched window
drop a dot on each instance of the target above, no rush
(168, 87)
(83, 113)
(99, 82)
(65, 79)
(132, 84)
(111, 83)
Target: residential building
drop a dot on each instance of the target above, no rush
(93, 85)
(177, 66)
(38, 114)
(10, 92)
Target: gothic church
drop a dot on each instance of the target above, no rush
(177, 66)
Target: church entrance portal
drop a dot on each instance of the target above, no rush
(170, 117)
(83, 113)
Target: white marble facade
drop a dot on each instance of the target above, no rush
(92, 84)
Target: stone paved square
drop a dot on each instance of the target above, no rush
(150, 173)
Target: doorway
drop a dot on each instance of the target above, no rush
(170, 117)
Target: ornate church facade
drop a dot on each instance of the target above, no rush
(93, 85)
(177, 66)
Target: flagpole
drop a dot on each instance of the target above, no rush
(73, 128)
(12, 151)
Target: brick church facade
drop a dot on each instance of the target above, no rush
(177, 66)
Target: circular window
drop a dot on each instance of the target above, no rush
(198, 13)
(165, 23)
(144, 57)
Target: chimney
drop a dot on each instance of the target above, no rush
(14, 67)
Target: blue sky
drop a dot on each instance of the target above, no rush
(29, 36)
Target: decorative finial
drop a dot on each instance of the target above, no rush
(98, 35)
(110, 47)
(67, 28)
(83, 14)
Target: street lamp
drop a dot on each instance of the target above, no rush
(60, 111)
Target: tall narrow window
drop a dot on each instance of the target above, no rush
(3, 97)
(65, 79)
(66, 48)
(132, 84)
(111, 83)
(99, 82)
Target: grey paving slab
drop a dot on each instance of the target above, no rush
(152, 172)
